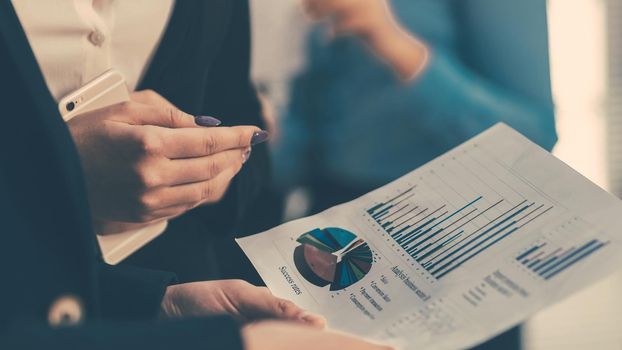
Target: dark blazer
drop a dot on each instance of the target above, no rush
(202, 66)
(47, 248)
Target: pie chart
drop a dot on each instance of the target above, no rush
(332, 256)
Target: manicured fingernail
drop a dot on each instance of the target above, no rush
(204, 120)
(314, 319)
(246, 155)
(259, 137)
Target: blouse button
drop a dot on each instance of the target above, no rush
(97, 38)
(65, 311)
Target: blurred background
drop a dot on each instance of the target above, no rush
(586, 71)
(585, 51)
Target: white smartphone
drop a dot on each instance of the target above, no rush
(106, 90)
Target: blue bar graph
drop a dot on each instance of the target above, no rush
(442, 238)
(550, 263)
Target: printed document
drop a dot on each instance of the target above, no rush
(453, 253)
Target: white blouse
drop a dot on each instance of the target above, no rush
(74, 41)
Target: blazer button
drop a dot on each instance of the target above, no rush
(65, 311)
(97, 38)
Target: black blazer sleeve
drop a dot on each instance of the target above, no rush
(205, 334)
(130, 293)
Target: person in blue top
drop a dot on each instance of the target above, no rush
(355, 122)
(439, 72)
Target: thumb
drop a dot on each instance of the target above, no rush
(164, 116)
(267, 306)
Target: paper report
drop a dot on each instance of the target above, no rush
(451, 254)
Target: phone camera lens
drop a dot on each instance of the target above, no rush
(70, 106)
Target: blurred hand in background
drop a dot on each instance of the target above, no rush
(375, 24)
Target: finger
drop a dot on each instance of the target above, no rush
(340, 340)
(319, 9)
(262, 336)
(135, 113)
(191, 170)
(264, 305)
(219, 185)
(347, 25)
(166, 213)
(152, 98)
(190, 195)
(313, 320)
(188, 143)
(309, 8)
(286, 310)
(348, 341)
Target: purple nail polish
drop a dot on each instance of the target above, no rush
(204, 120)
(259, 137)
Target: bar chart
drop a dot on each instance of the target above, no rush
(441, 239)
(548, 260)
(456, 211)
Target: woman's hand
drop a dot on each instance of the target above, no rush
(237, 298)
(365, 18)
(285, 336)
(374, 22)
(271, 323)
(147, 161)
